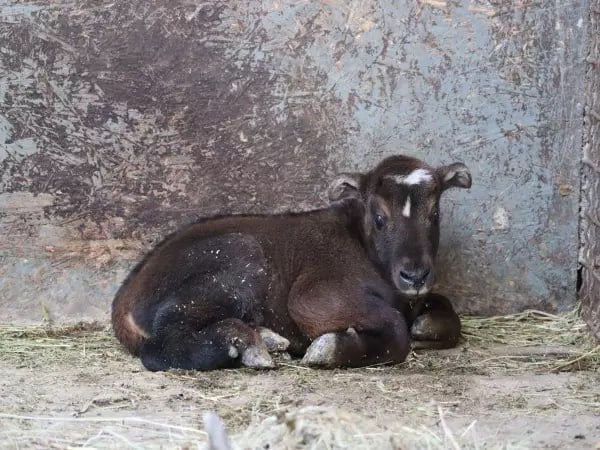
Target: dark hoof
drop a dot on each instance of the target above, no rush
(430, 332)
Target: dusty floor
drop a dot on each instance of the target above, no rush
(79, 389)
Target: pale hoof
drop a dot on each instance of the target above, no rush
(257, 357)
(321, 351)
(273, 341)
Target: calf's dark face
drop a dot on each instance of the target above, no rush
(399, 202)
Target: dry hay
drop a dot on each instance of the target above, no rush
(564, 341)
(318, 427)
(531, 341)
(536, 340)
(17, 343)
(313, 427)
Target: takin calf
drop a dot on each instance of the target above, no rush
(344, 286)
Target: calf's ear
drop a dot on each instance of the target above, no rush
(346, 186)
(455, 175)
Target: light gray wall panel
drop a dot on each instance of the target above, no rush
(120, 121)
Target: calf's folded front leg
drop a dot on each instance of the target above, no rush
(348, 332)
(434, 323)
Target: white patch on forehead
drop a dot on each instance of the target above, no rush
(406, 209)
(417, 176)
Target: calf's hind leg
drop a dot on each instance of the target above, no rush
(227, 343)
(198, 322)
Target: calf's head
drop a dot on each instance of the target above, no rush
(398, 211)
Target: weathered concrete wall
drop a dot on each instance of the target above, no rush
(590, 208)
(121, 120)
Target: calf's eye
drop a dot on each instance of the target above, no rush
(379, 221)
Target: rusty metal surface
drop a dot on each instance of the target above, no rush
(590, 208)
(120, 121)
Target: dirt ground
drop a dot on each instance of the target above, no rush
(77, 389)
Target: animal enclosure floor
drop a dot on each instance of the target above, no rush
(75, 388)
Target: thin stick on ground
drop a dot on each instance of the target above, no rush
(102, 419)
(594, 352)
(447, 430)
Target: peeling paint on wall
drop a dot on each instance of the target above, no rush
(135, 117)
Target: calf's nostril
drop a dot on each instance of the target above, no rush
(415, 277)
(406, 276)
